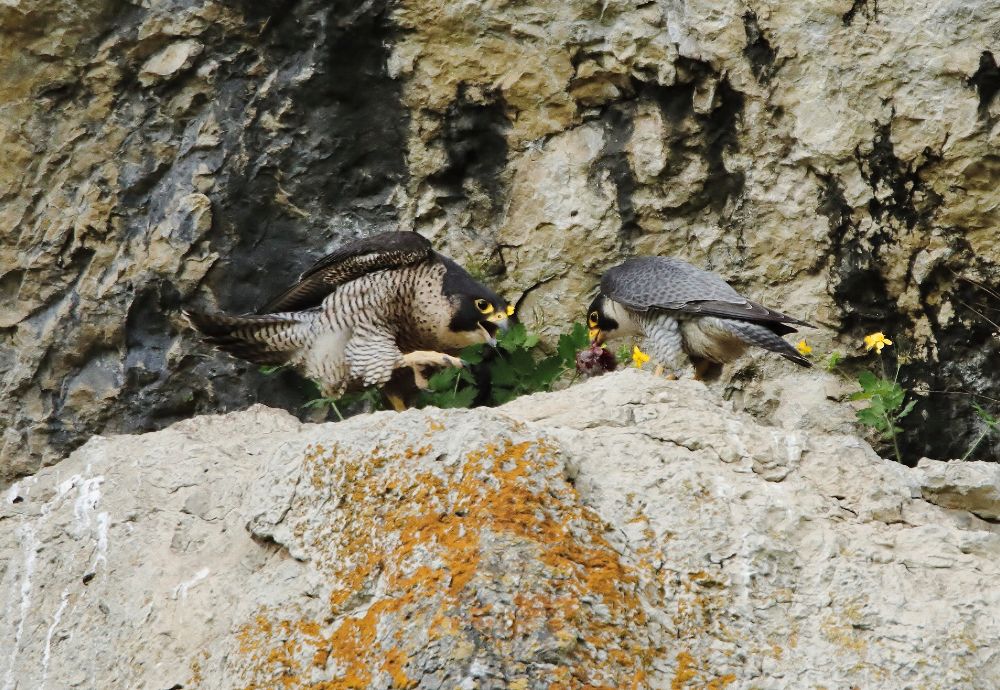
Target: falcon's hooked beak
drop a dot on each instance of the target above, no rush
(597, 336)
(497, 322)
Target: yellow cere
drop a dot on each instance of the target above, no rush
(593, 333)
(803, 347)
(639, 357)
(876, 341)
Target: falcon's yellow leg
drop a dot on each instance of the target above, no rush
(428, 358)
(658, 371)
(396, 401)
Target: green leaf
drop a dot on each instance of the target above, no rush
(473, 354)
(547, 371)
(877, 404)
(873, 419)
(443, 380)
(463, 397)
(502, 374)
(571, 343)
(268, 370)
(906, 410)
(531, 340)
(514, 338)
(522, 361)
(991, 421)
(319, 402)
(502, 395)
(868, 382)
(833, 360)
(893, 396)
(869, 417)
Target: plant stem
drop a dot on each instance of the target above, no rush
(977, 442)
(333, 404)
(892, 435)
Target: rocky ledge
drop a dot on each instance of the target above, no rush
(628, 532)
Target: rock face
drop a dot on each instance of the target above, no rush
(626, 533)
(836, 158)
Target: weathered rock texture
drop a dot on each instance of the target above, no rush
(837, 158)
(626, 533)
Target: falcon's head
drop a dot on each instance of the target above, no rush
(477, 313)
(608, 319)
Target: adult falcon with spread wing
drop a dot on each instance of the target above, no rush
(682, 310)
(376, 305)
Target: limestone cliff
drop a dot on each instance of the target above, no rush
(626, 533)
(837, 158)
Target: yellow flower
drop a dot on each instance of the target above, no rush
(876, 341)
(638, 356)
(510, 310)
(803, 347)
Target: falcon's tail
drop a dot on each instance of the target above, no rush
(763, 336)
(266, 339)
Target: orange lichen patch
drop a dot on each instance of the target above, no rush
(494, 547)
(395, 661)
(690, 675)
(685, 671)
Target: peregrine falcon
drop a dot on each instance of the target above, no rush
(683, 310)
(376, 305)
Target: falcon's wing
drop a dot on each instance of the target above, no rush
(375, 253)
(658, 282)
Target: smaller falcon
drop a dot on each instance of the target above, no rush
(372, 307)
(691, 319)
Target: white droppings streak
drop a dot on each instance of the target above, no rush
(181, 590)
(103, 521)
(29, 543)
(63, 600)
(63, 487)
(86, 502)
(19, 599)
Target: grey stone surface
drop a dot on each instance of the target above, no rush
(625, 532)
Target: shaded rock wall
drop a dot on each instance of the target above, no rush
(835, 158)
(627, 533)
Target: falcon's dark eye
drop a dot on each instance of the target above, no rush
(484, 306)
(592, 319)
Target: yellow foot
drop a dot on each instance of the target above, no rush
(396, 401)
(428, 358)
(659, 371)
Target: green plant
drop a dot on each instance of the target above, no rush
(271, 369)
(514, 369)
(886, 398)
(368, 399)
(833, 360)
(992, 424)
(493, 376)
